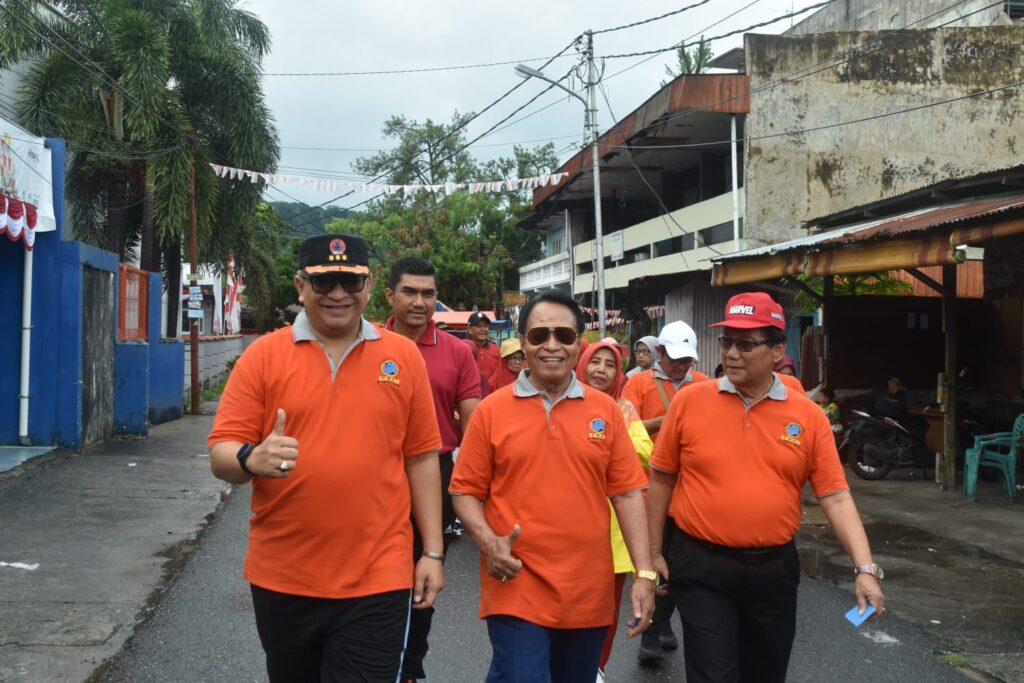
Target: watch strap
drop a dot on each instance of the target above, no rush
(243, 454)
(648, 574)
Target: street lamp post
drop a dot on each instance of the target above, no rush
(591, 123)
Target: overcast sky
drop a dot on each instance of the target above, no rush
(358, 35)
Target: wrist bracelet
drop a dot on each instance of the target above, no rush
(434, 556)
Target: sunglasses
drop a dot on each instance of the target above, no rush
(538, 335)
(744, 345)
(325, 284)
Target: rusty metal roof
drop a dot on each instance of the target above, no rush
(918, 220)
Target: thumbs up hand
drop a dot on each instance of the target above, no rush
(501, 563)
(276, 456)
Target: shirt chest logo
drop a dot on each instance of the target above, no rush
(792, 433)
(389, 373)
(597, 429)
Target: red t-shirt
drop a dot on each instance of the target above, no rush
(487, 356)
(453, 377)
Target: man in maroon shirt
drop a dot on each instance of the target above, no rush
(484, 350)
(455, 384)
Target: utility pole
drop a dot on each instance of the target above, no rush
(193, 249)
(598, 228)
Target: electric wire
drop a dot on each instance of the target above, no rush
(683, 45)
(382, 72)
(657, 18)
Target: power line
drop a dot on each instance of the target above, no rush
(462, 126)
(391, 149)
(688, 38)
(381, 72)
(657, 18)
(684, 45)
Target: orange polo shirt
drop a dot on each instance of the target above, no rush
(552, 473)
(741, 470)
(642, 391)
(338, 525)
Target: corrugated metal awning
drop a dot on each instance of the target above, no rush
(889, 243)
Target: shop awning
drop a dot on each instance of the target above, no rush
(914, 239)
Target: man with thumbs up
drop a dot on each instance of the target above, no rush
(333, 423)
(539, 462)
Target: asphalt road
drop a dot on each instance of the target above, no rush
(203, 629)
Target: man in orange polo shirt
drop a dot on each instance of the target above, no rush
(650, 392)
(730, 464)
(332, 421)
(537, 466)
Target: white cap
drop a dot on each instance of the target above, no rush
(679, 340)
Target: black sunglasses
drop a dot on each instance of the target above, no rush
(744, 345)
(539, 335)
(325, 284)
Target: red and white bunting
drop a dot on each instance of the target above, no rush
(330, 185)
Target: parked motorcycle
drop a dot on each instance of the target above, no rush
(875, 445)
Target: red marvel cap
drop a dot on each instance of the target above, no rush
(751, 310)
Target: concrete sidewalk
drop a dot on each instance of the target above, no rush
(107, 529)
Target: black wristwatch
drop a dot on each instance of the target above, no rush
(243, 454)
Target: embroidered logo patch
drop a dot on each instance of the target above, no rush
(389, 373)
(338, 249)
(597, 429)
(793, 432)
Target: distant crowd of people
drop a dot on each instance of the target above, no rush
(576, 478)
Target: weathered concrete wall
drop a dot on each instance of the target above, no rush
(880, 15)
(793, 178)
(214, 355)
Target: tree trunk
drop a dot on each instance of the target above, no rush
(172, 256)
(149, 253)
(117, 197)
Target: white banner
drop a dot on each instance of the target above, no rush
(25, 184)
(321, 184)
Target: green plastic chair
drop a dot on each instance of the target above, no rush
(998, 451)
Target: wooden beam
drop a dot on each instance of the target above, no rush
(629, 169)
(828, 294)
(948, 459)
(917, 274)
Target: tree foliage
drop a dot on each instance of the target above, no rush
(472, 238)
(133, 85)
(307, 220)
(866, 284)
(692, 60)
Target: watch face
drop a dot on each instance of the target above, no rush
(879, 573)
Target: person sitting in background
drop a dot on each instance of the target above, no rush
(512, 358)
(643, 352)
(826, 398)
(893, 402)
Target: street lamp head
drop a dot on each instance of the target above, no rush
(524, 71)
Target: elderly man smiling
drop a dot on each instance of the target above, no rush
(538, 464)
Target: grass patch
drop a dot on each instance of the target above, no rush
(214, 392)
(955, 661)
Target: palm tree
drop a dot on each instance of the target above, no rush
(135, 86)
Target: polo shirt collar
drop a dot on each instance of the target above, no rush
(303, 331)
(429, 336)
(777, 392)
(660, 374)
(523, 387)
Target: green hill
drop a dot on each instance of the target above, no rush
(307, 220)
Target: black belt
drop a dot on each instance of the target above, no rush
(746, 555)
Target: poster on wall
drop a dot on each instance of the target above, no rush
(26, 186)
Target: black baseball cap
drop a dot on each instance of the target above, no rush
(334, 253)
(477, 318)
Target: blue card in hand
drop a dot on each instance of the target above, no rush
(858, 619)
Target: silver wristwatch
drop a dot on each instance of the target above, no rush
(872, 569)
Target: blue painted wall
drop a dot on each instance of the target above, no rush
(166, 364)
(131, 387)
